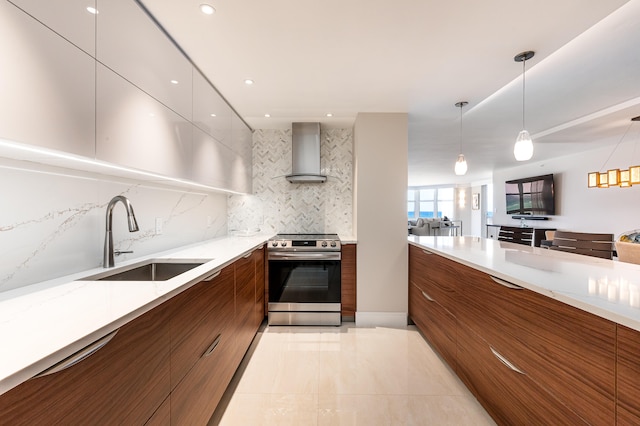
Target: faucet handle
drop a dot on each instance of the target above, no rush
(119, 252)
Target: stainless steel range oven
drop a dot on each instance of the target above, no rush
(304, 279)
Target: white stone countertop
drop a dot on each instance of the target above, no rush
(606, 288)
(44, 323)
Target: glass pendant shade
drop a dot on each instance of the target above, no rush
(461, 165)
(523, 149)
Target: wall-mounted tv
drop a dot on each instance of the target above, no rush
(531, 196)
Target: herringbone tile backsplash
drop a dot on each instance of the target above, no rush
(280, 206)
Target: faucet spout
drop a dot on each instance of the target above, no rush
(108, 259)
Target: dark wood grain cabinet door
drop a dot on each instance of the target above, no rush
(348, 280)
(122, 383)
(196, 323)
(245, 296)
(628, 374)
(259, 259)
(196, 396)
(509, 396)
(436, 323)
(436, 275)
(567, 351)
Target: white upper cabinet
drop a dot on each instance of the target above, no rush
(132, 45)
(73, 20)
(135, 130)
(241, 137)
(217, 165)
(210, 112)
(47, 86)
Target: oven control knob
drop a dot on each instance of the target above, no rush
(274, 243)
(333, 243)
(324, 244)
(284, 244)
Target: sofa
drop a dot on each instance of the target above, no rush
(424, 226)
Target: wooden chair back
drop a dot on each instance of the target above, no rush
(515, 234)
(596, 245)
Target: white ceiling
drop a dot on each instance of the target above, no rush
(310, 57)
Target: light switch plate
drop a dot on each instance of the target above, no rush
(158, 226)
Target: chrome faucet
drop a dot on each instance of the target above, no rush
(108, 261)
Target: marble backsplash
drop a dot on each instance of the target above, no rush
(280, 206)
(52, 220)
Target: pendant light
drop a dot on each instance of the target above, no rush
(461, 164)
(523, 149)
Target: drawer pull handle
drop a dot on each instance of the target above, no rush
(426, 296)
(426, 252)
(248, 255)
(506, 361)
(506, 283)
(83, 353)
(213, 346)
(212, 276)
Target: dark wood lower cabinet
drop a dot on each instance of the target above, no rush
(569, 370)
(169, 366)
(122, 383)
(162, 416)
(628, 374)
(436, 323)
(511, 398)
(348, 280)
(569, 352)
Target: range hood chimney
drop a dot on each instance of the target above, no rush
(305, 154)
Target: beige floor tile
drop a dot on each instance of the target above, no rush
(348, 376)
(271, 409)
(400, 410)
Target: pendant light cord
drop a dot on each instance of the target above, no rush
(461, 105)
(617, 145)
(524, 127)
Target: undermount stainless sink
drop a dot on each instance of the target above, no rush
(149, 270)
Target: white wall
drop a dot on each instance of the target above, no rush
(380, 144)
(578, 208)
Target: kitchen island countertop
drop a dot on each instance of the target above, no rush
(606, 288)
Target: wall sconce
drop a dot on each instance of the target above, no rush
(461, 198)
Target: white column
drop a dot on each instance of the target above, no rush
(380, 193)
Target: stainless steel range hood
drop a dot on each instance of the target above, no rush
(305, 154)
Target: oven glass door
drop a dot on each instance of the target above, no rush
(305, 278)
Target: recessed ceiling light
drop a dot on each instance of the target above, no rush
(248, 82)
(329, 114)
(174, 81)
(213, 115)
(92, 10)
(267, 115)
(207, 9)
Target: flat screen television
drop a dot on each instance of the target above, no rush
(531, 196)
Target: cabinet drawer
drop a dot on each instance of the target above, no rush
(436, 323)
(564, 349)
(628, 374)
(511, 398)
(162, 416)
(245, 304)
(199, 315)
(124, 382)
(195, 398)
(258, 256)
(435, 275)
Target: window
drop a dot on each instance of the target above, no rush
(430, 202)
(411, 204)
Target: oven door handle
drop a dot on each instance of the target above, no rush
(304, 256)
